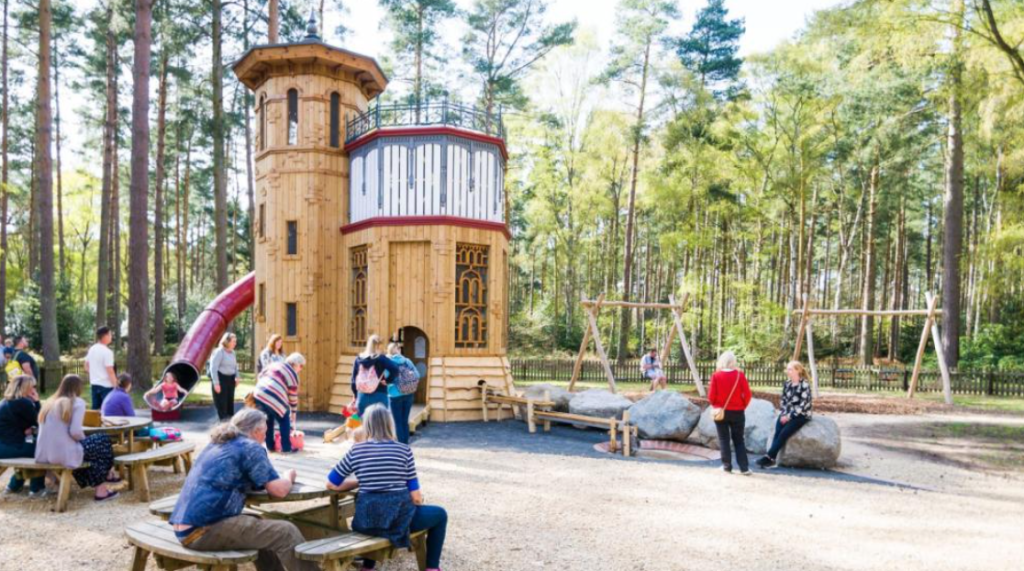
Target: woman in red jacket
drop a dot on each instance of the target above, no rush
(729, 390)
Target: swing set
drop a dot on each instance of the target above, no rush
(931, 326)
(593, 310)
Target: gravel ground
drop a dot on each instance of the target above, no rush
(523, 502)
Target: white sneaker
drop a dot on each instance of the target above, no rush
(40, 494)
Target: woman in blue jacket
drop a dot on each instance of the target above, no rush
(385, 369)
(401, 405)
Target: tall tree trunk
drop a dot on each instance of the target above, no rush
(867, 322)
(138, 200)
(250, 185)
(4, 173)
(44, 125)
(62, 263)
(953, 203)
(627, 266)
(158, 209)
(220, 202)
(106, 194)
(115, 236)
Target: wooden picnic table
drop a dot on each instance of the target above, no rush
(119, 426)
(310, 484)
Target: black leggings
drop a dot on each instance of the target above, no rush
(224, 402)
(730, 435)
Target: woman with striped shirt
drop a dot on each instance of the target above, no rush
(277, 395)
(390, 502)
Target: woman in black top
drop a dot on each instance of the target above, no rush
(796, 411)
(381, 364)
(19, 421)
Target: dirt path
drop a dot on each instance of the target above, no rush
(526, 502)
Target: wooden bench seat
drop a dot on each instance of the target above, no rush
(28, 468)
(157, 538)
(491, 396)
(316, 516)
(338, 552)
(140, 462)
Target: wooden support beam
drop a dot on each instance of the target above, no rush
(940, 354)
(592, 318)
(678, 321)
(630, 304)
(804, 316)
(874, 313)
(932, 300)
(578, 365)
(625, 433)
(810, 360)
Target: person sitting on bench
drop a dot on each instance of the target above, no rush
(650, 365)
(796, 411)
(19, 412)
(208, 514)
(390, 502)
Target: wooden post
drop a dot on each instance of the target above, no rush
(483, 401)
(592, 318)
(625, 433)
(530, 423)
(923, 344)
(578, 365)
(940, 354)
(804, 316)
(686, 347)
(613, 446)
(547, 421)
(810, 360)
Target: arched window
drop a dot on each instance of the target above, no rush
(335, 120)
(263, 121)
(357, 295)
(471, 296)
(293, 116)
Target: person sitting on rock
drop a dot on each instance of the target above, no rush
(650, 365)
(796, 411)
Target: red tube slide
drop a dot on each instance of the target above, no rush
(207, 330)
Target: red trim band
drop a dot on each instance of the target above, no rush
(440, 130)
(427, 221)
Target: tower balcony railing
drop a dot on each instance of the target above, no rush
(424, 114)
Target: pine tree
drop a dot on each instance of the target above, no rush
(709, 50)
(417, 28)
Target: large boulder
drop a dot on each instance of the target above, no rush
(599, 403)
(816, 445)
(760, 423)
(665, 415)
(558, 395)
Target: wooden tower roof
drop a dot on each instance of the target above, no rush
(260, 61)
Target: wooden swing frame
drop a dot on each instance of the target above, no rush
(593, 309)
(931, 326)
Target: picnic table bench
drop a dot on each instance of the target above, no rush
(140, 462)
(29, 468)
(157, 538)
(338, 552)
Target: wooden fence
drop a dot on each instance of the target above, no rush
(770, 374)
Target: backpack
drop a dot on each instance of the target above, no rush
(13, 367)
(408, 379)
(367, 380)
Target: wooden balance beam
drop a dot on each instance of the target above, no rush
(612, 425)
(490, 395)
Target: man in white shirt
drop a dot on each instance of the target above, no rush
(99, 363)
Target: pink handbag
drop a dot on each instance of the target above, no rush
(298, 438)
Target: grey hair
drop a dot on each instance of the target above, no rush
(379, 423)
(726, 361)
(243, 423)
(296, 359)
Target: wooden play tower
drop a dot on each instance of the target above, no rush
(376, 218)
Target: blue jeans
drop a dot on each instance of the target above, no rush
(98, 394)
(23, 450)
(286, 427)
(435, 520)
(783, 432)
(401, 407)
(364, 401)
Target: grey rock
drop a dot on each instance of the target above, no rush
(760, 423)
(665, 415)
(558, 395)
(816, 445)
(599, 403)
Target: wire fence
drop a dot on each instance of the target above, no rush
(771, 374)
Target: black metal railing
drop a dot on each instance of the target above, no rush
(410, 114)
(770, 374)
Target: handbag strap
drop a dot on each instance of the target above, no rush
(734, 385)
